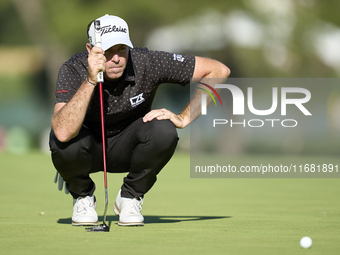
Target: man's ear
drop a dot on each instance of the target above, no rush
(88, 47)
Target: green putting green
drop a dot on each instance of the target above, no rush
(182, 215)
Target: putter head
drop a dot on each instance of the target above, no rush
(101, 228)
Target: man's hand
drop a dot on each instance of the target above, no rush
(164, 114)
(96, 63)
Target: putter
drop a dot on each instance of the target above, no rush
(100, 79)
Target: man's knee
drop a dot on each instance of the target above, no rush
(163, 133)
(69, 150)
(72, 155)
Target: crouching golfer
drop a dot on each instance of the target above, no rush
(140, 141)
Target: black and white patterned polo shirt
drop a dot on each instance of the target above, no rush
(131, 97)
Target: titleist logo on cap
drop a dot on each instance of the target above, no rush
(114, 28)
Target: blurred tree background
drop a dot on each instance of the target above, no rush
(255, 38)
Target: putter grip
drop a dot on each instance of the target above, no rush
(98, 43)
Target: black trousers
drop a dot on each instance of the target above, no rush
(142, 150)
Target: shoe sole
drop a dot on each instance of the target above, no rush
(117, 212)
(131, 224)
(85, 223)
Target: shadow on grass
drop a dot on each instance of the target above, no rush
(151, 219)
(174, 219)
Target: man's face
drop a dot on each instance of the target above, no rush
(116, 60)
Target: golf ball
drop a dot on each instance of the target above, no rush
(306, 242)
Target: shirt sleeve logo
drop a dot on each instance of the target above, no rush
(62, 91)
(136, 100)
(178, 57)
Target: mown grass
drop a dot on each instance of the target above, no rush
(182, 215)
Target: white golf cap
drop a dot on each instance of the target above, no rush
(114, 30)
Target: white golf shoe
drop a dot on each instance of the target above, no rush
(129, 211)
(84, 211)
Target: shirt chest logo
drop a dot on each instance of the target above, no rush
(136, 100)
